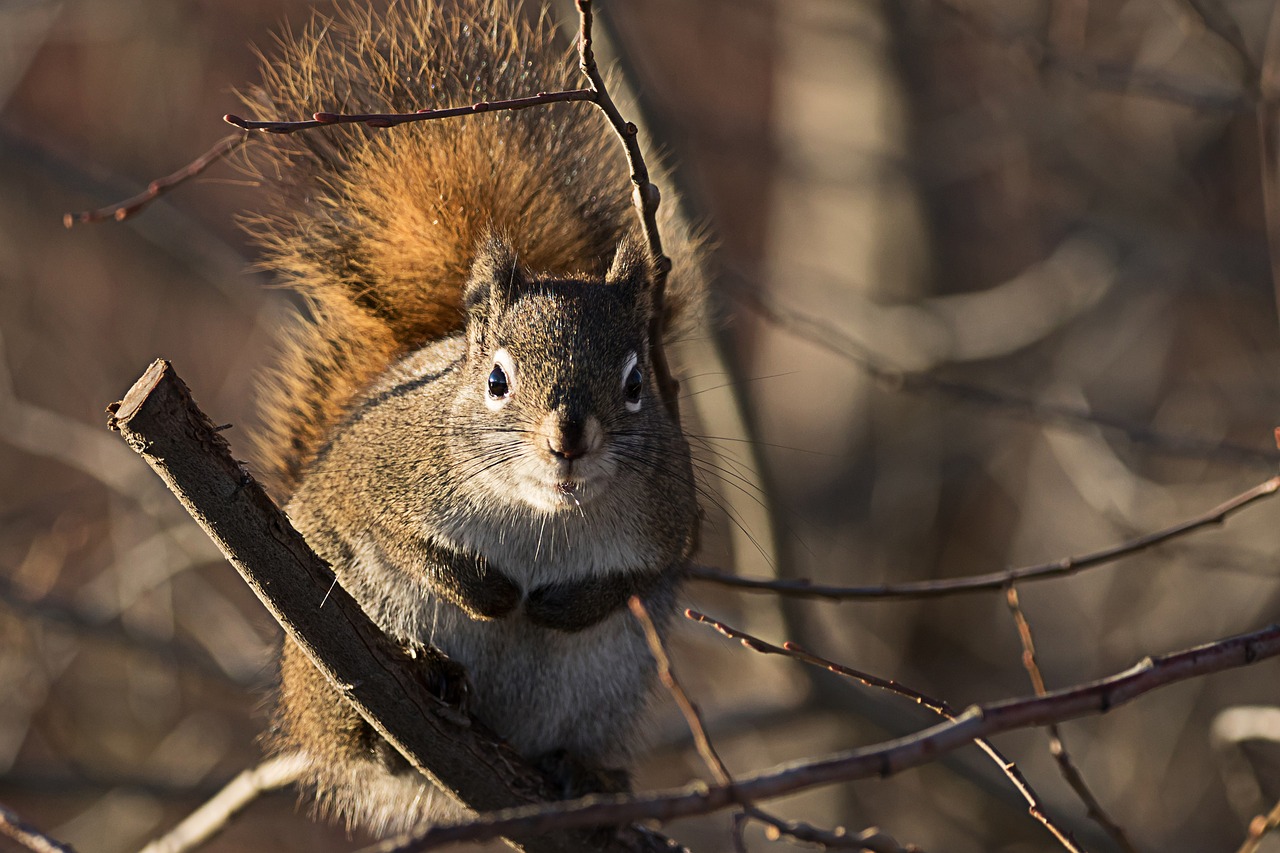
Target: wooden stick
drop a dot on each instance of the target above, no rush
(204, 823)
(120, 211)
(994, 580)
(28, 836)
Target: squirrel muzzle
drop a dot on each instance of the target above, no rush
(569, 437)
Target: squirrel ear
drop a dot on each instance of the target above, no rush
(631, 265)
(494, 274)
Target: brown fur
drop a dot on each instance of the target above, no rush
(378, 228)
(422, 251)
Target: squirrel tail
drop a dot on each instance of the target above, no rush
(377, 229)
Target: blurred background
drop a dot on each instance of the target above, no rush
(992, 288)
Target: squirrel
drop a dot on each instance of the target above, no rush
(464, 422)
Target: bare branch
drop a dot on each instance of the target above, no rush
(1258, 828)
(690, 711)
(124, 209)
(1057, 746)
(210, 819)
(938, 706)
(228, 145)
(382, 120)
(871, 839)
(28, 836)
(882, 759)
(994, 580)
(646, 198)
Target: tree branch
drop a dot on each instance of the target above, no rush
(28, 836)
(872, 839)
(1258, 829)
(119, 211)
(1057, 746)
(383, 120)
(210, 819)
(994, 580)
(646, 198)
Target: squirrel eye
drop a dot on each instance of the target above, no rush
(498, 387)
(500, 384)
(632, 383)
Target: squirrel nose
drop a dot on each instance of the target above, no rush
(568, 441)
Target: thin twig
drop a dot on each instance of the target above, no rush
(1057, 746)
(938, 706)
(384, 120)
(646, 198)
(124, 209)
(692, 717)
(1258, 828)
(210, 819)
(994, 580)
(871, 839)
(28, 836)
(882, 759)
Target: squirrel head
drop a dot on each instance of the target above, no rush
(557, 376)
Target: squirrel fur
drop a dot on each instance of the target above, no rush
(464, 423)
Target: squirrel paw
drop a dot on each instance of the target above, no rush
(493, 596)
(570, 607)
(446, 678)
(471, 582)
(574, 778)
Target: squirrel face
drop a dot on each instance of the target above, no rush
(557, 378)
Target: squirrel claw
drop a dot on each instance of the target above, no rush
(447, 679)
